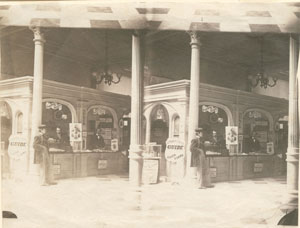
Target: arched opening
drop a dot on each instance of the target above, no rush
(6, 131)
(56, 115)
(160, 132)
(176, 126)
(19, 121)
(213, 120)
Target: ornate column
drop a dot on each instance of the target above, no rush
(137, 99)
(37, 96)
(292, 156)
(193, 115)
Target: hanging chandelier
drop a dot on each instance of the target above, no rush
(107, 76)
(261, 78)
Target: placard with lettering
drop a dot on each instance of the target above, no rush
(17, 146)
(114, 145)
(258, 167)
(75, 132)
(102, 164)
(150, 171)
(231, 135)
(174, 150)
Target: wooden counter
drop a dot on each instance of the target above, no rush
(240, 167)
(82, 164)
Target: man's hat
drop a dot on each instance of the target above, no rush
(42, 126)
(200, 129)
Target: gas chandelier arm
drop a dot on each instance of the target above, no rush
(257, 79)
(118, 80)
(261, 78)
(274, 82)
(100, 80)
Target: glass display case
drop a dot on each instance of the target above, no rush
(152, 151)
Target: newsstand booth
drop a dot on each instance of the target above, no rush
(66, 106)
(166, 115)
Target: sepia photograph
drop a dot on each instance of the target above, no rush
(139, 113)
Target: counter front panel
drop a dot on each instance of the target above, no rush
(82, 164)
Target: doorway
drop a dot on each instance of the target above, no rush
(160, 133)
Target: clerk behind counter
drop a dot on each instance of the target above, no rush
(60, 141)
(97, 141)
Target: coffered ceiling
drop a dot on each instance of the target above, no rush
(167, 52)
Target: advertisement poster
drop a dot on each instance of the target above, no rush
(150, 171)
(174, 150)
(75, 132)
(231, 135)
(17, 146)
(270, 148)
(114, 145)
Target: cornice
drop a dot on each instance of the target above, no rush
(180, 89)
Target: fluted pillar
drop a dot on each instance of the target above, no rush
(137, 98)
(193, 115)
(292, 156)
(37, 95)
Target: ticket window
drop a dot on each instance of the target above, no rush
(214, 120)
(54, 116)
(255, 132)
(100, 118)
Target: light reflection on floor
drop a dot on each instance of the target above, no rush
(109, 201)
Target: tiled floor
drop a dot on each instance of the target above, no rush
(110, 202)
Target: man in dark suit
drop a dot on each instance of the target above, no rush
(41, 155)
(61, 141)
(98, 141)
(198, 159)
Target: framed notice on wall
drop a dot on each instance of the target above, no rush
(270, 148)
(231, 135)
(75, 132)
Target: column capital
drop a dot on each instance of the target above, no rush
(195, 38)
(139, 32)
(38, 34)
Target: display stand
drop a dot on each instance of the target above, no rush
(151, 156)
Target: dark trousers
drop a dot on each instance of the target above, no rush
(203, 175)
(45, 171)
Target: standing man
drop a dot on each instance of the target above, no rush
(41, 155)
(198, 160)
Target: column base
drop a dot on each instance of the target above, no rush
(290, 202)
(135, 164)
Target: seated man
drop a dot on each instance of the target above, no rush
(97, 140)
(254, 144)
(60, 140)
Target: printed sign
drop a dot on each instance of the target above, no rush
(270, 148)
(174, 150)
(231, 135)
(17, 146)
(102, 164)
(150, 171)
(75, 132)
(114, 145)
(258, 167)
(56, 169)
(213, 172)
